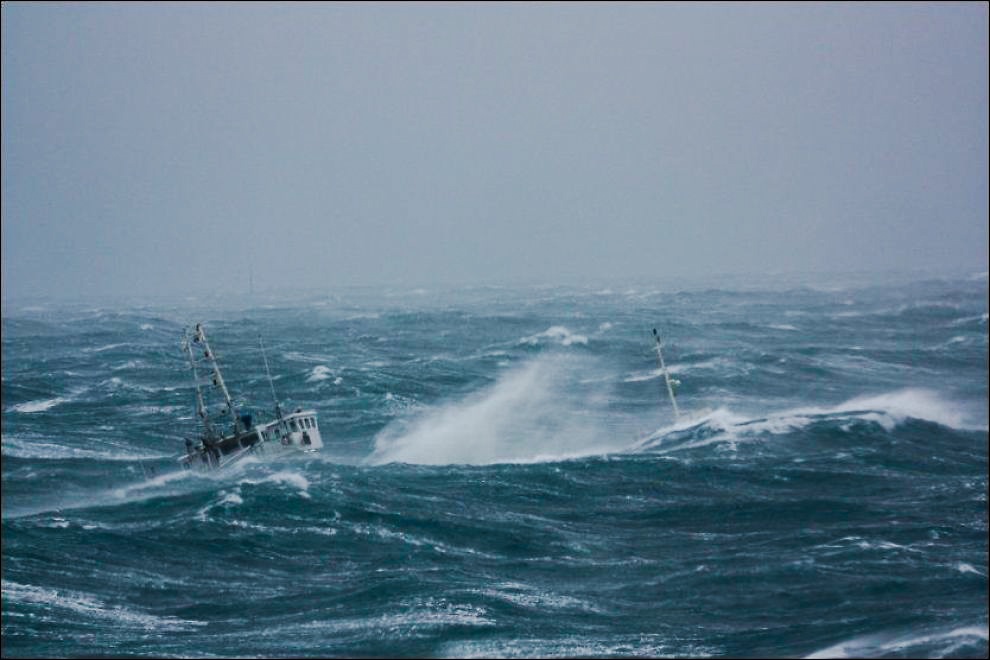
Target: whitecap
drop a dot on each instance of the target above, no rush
(529, 597)
(319, 372)
(117, 383)
(296, 356)
(887, 410)
(107, 347)
(286, 477)
(36, 406)
(963, 567)
(231, 498)
(981, 318)
(558, 333)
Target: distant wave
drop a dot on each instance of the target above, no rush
(107, 347)
(888, 410)
(557, 333)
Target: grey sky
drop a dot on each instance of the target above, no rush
(156, 148)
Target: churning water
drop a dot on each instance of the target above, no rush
(504, 476)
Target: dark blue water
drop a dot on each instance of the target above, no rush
(504, 476)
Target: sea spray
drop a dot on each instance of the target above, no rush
(529, 414)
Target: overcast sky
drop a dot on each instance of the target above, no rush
(152, 148)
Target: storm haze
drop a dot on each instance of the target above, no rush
(152, 149)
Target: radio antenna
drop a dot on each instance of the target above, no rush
(666, 376)
(271, 383)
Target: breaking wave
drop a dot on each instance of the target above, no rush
(526, 416)
(888, 410)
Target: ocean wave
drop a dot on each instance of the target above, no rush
(41, 449)
(286, 477)
(411, 621)
(37, 406)
(557, 333)
(529, 597)
(297, 356)
(386, 534)
(106, 347)
(319, 372)
(225, 500)
(153, 486)
(930, 644)
(89, 606)
(963, 567)
(465, 471)
(888, 410)
(129, 364)
(115, 384)
(979, 318)
(644, 645)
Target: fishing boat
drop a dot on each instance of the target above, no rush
(233, 434)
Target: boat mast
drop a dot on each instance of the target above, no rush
(271, 383)
(666, 376)
(217, 376)
(200, 405)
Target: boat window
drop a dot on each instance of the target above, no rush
(309, 423)
(293, 426)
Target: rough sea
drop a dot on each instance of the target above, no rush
(504, 476)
